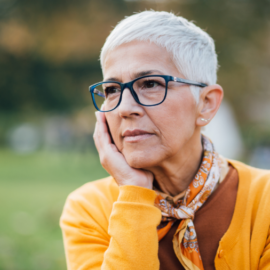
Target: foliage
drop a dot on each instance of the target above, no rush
(27, 83)
(49, 50)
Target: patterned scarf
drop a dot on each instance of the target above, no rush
(184, 206)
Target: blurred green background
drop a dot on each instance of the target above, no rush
(49, 56)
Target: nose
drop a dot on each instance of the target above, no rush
(128, 106)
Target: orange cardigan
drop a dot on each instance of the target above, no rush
(111, 228)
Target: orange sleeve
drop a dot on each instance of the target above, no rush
(123, 237)
(264, 263)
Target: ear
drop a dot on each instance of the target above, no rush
(210, 100)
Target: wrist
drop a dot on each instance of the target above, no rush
(137, 183)
(131, 193)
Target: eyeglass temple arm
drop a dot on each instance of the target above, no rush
(175, 79)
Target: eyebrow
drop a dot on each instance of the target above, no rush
(137, 75)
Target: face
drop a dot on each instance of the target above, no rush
(149, 136)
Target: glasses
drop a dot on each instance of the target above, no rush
(148, 90)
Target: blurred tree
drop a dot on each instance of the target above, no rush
(49, 50)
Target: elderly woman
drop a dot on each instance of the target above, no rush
(171, 202)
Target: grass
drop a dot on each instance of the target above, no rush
(32, 194)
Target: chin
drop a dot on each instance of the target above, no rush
(140, 160)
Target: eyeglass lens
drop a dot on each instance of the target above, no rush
(149, 90)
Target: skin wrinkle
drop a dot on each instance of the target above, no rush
(173, 152)
(163, 178)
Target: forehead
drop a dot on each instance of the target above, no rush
(129, 59)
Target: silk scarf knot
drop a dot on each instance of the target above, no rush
(185, 242)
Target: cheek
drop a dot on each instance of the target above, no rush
(177, 121)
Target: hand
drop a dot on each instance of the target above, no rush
(114, 162)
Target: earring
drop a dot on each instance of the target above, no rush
(205, 120)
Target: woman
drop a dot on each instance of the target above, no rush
(171, 201)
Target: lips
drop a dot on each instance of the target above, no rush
(134, 132)
(136, 135)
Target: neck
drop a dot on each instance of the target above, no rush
(176, 173)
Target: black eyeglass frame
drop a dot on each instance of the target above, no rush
(129, 85)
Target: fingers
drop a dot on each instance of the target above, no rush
(108, 152)
(95, 137)
(101, 130)
(113, 160)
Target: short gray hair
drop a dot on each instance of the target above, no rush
(192, 49)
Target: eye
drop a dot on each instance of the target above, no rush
(151, 84)
(111, 90)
